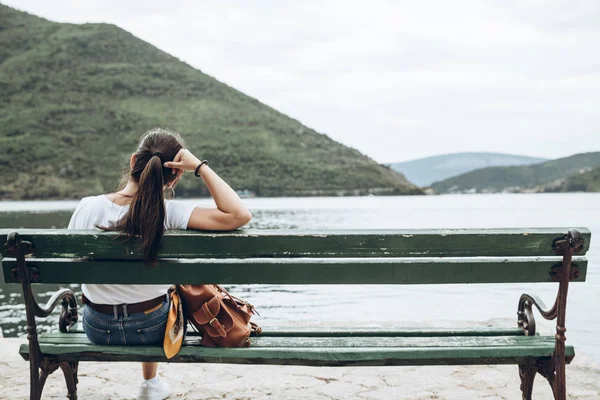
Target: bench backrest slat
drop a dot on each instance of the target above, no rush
(301, 271)
(295, 243)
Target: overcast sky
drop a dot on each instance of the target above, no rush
(396, 80)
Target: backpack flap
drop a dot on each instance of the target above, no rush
(214, 318)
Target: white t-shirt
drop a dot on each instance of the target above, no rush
(99, 210)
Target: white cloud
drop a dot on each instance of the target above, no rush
(395, 80)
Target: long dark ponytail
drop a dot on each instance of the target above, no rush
(146, 215)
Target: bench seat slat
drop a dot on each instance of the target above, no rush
(305, 243)
(395, 333)
(355, 341)
(362, 332)
(318, 351)
(301, 271)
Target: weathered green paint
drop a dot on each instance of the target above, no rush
(365, 341)
(362, 332)
(333, 351)
(300, 271)
(298, 243)
(406, 332)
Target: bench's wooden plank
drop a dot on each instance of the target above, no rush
(299, 243)
(301, 271)
(394, 333)
(362, 332)
(345, 341)
(485, 350)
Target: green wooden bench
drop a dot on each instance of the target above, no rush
(303, 257)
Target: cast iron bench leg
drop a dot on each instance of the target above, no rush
(69, 368)
(527, 374)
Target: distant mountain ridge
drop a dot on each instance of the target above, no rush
(425, 171)
(525, 178)
(74, 100)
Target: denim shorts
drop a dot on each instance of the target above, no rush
(145, 328)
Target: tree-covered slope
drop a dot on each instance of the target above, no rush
(425, 171)
(74, 100)
(587, 180)
(518, 178)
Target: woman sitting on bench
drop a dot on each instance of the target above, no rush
(137, 314)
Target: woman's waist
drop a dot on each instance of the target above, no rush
(122, 294)
(126, 309)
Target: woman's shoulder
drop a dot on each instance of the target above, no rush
(92, 200)
(94, 204)
(89, 211)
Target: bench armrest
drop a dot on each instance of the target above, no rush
(525, 318)
(68, 315)
(19, 248)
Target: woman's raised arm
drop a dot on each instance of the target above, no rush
(230, 213)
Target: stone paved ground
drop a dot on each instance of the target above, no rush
(215, 381)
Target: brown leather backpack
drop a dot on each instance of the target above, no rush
(222, 319)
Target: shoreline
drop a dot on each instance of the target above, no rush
(100, 381)
(315, 196)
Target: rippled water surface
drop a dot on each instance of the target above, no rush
(387, 305)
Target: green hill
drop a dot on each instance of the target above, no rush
(74, 100)
(517, 178)
(587, 180)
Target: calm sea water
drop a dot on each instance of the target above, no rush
(389, 305)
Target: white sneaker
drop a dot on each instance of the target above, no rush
(153, 390)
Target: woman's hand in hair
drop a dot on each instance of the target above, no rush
(184, 160)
